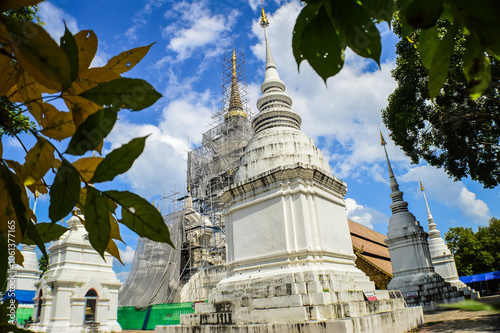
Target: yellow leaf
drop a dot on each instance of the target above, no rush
(38, 161)
(56, 164)
(6, 203)
(113, 250)
(30, 94)
(19, 258)
(115, 228)
(126, 60)
(81, 199)
(39, 54)
(58, 125)
(39, 187)
(13, 94)
(86, 40)
(89, 78)
(8, 73)
(7, 213)
(16, 4)
(99, 147)
(80, 107)
(86, 166)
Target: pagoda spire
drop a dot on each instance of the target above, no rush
(398, 204)
(235, 106)
(275, 106)
(433, 232)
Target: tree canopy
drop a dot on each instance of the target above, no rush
(450, 131)
(325, 28)
(476, 252)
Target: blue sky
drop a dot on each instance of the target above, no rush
(185, 66)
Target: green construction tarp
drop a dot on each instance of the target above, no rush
(23, 314)
(131, 318)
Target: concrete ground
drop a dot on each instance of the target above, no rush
(463, 321)
(453, 321)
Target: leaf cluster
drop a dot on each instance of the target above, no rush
(450, 131)
(325, 28)
(475, 252)
(36, 72)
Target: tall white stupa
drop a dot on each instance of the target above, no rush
(414, 274)
(290, 261)
(79, 292)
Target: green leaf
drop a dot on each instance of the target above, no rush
(97, 220)
(357, 29)
(477, 68)
(428, 45)
(321, 46)
(141, 217)
(33, 235)
(69, 46)
(423, 14)
(48, 231)
(307, 13)
(92, 131)
(134, 94)
(15, 194)
(381, 10)
(64, 191)
(435, 55)
(39, 54)
(118, 161)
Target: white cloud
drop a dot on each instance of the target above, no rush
(54, 18)
(443, 189)
(122, 276)
(202, 29)
(364, 215)
(127, 256)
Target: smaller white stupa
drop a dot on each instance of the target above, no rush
(79, 292)
(25, 278)
(441, 256)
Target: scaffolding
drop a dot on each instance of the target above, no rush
(161, 274)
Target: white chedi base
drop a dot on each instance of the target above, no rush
(290, 260)
(65, 290)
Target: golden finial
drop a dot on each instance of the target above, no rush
(421, 186)
(37, 194)
(382, 141)
(234, 62)
(263, 19)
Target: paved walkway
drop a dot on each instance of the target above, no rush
(462, 321)
(454, 321)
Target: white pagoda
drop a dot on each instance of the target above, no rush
(79, 292)
(290, 259)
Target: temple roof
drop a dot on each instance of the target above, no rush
(370, 245)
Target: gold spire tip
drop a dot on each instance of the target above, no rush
(264, 23)
(421, 186)
(382, 141)
(233, 58)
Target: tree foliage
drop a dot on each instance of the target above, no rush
(37, 72)
(450, 131)
(476, 252)
(325, 28)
